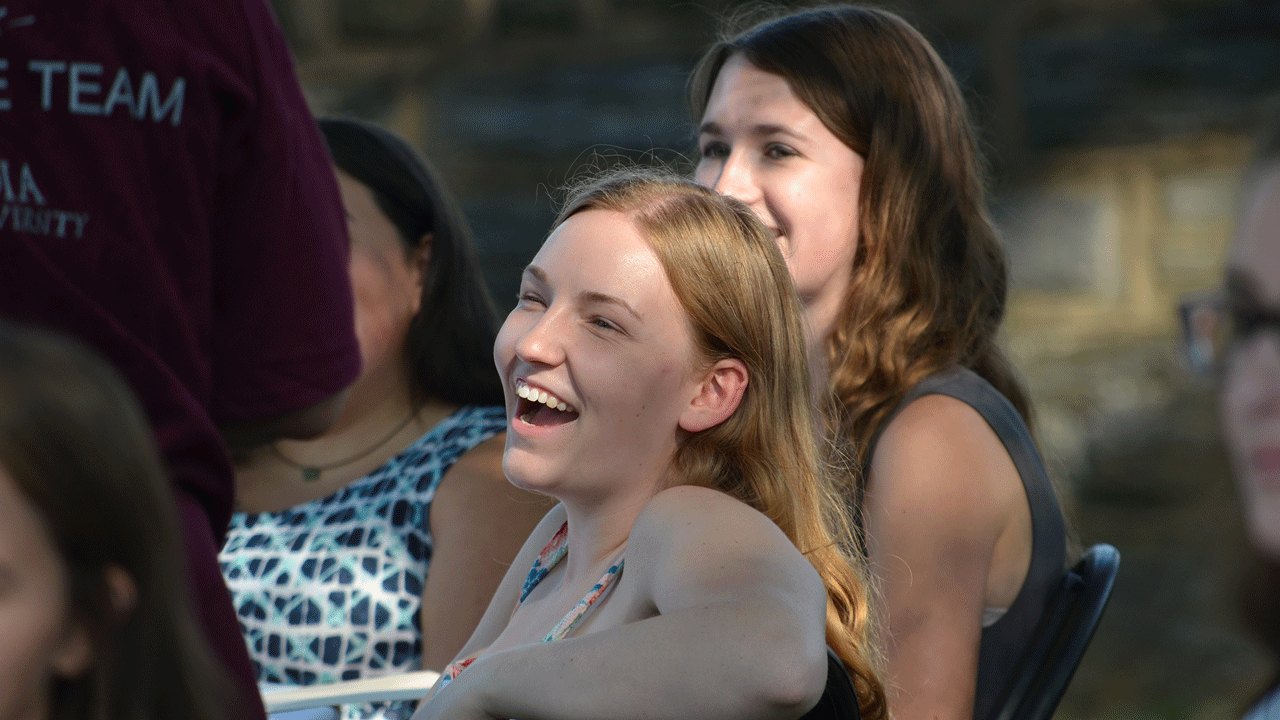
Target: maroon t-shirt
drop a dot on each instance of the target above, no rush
(165, 195)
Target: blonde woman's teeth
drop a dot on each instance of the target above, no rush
(541, 396)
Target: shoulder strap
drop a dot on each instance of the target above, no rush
(455, 435)
(556, 549)
(550, 556)
(579, 610)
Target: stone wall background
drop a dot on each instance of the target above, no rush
(1117, 131)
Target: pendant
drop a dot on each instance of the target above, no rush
(310, 474)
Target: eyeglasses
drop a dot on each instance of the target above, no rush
(1213, 325)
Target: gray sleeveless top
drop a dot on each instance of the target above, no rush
(1005, 641)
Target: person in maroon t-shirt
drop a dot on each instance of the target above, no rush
(165, 196)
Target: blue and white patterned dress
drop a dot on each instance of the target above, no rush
(330, 590)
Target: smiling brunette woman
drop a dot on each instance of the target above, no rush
(655, 383)
(847, 136)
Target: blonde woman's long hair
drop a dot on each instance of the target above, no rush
(733, 284)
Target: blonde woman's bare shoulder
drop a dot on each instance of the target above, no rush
(688, 518)
(692, 505)
(695, 546)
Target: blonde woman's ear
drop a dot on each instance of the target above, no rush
(718, 396)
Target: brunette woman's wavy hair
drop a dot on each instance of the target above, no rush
(76, 444)
(928, 279)
(450, 343)
(733, 284)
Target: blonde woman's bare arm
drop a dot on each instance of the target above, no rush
(740, 632)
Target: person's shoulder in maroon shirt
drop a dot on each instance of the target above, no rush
(164, 195)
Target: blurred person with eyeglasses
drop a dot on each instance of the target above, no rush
(1234, 335)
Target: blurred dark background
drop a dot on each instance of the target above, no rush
(1116, 132)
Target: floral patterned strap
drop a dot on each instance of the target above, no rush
(454, 670)
(579, 610)
(555, 550)
(552, 553)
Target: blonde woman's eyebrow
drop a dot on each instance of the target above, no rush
(592, 296)
(587, 296)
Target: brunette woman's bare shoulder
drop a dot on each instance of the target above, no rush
(943, 448)
(941, 490)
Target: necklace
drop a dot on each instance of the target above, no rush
(311, 473)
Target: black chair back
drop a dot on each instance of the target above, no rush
(1063, 636)
(838, 702)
